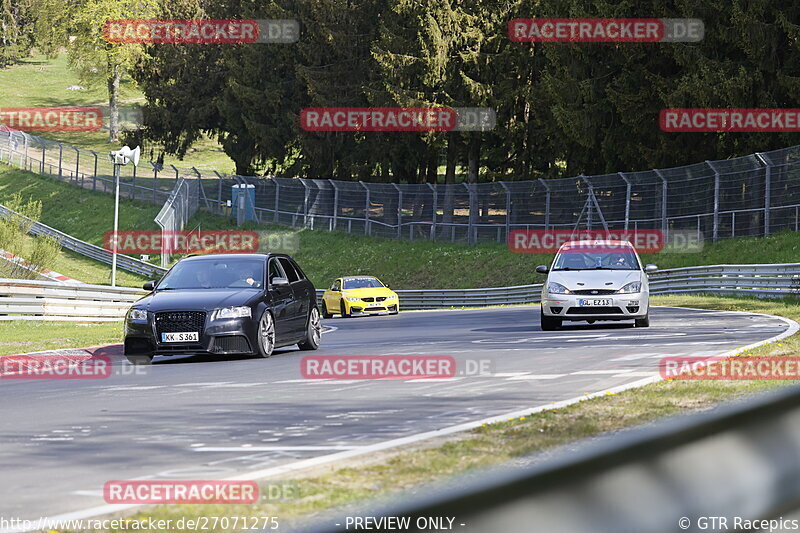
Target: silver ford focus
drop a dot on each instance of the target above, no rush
(595, 280)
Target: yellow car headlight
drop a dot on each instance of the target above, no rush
(351, 299)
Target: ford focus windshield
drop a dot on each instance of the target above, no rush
(228, 274)
(589, 260)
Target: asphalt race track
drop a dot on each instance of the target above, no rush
(204, 417)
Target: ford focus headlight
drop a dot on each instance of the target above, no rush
(630, 288)
(557, 288)
(138, 315)
(351, 299)
(234, 312)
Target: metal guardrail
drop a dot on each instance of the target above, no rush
(738, 461)
(90, 250)
(53, 300)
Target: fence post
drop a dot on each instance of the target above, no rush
(664, 228)
(219, 193)
(399, 210)
(44, 154)
(546, 204)
(305, 202)
(508, 209)
(715, 229)
(335, 202)
(767, 191)
(133, 184)
(367, 228)
(277, 199)
(155, 181)
(94, 176)
(433, 213)
(77, 164)
(60, 160)
(627, 199)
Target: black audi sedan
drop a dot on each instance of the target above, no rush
(224, 304)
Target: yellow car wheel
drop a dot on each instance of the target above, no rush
(343, 310)
(325, 312)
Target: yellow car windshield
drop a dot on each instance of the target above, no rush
(362, 283)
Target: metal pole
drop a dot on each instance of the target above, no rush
(77, 164)
(767, 192)
(627, 198)
(60, 159)
(366, 210)
(305, 203)
(335, 202)
(664, 223)
(219, 192)
(155, 181)
(546, 204)
(399, 209)
(116, 228)
(508, 210)
(433, 213)
(715, 229)
(277, 199)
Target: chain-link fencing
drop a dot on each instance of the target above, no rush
(752, 195)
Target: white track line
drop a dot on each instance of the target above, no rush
(411, 439)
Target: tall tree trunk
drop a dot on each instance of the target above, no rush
(113, 102)
(473, 160)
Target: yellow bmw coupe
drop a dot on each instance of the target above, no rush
(359, 295)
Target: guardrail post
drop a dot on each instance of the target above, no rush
(336, 204)
(508, 209)
(627, 199)
(367, 228)
(715, 230)
(767, 191)
(399, 210)
(546, 204)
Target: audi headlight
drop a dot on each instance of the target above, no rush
(138, 315)
(351, 299)
(557, 288)
(233, 312)
(630, 288)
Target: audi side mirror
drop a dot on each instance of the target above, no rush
(280, 282)
(149, 286)
(542, 269)
(650, 268)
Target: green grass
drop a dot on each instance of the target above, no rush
(42, 82)
(386, 475)
(22, 336)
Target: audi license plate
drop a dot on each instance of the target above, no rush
(595, 303)
(187, 336)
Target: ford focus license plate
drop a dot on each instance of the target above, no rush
(187, 336)
(595, 303)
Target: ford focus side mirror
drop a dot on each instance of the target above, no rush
(541, 269)
(149, 286)
(650, 268)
